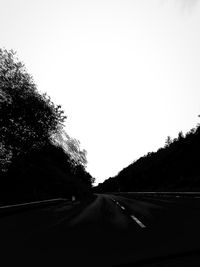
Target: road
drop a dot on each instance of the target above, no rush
(113, 230)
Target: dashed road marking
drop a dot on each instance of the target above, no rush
(132, 216)
(138, 221)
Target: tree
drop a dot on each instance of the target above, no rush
(180, 136)
(168, 141)
(28, 119)
(71, 146)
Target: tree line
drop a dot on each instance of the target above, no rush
(174, 167)
(38, 159)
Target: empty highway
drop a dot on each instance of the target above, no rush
(111, 230)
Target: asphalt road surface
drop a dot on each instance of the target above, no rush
(112, 230)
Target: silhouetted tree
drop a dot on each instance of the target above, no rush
(47, 172)
(168, 141)
(27, 118)
(71, 146)
(176, 166)
(38, 159)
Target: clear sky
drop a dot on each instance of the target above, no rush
(126, 72)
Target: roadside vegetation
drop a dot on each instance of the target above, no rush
(174, 167)
(38, 159)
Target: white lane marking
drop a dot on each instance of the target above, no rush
(132, 216)
(138, 221)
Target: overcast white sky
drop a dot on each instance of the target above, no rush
(126, 72)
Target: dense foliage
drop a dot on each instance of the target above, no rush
(176, 166)
(45, 173)
(27, 118)
(71, 146)
(38, 159)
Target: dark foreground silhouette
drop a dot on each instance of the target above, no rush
(174, 167)
(38, 159)
(138, 230)
(36, 163)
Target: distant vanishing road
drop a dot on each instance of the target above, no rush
(113, 230)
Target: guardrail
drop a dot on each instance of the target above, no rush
(9, 209)
(177, 194)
